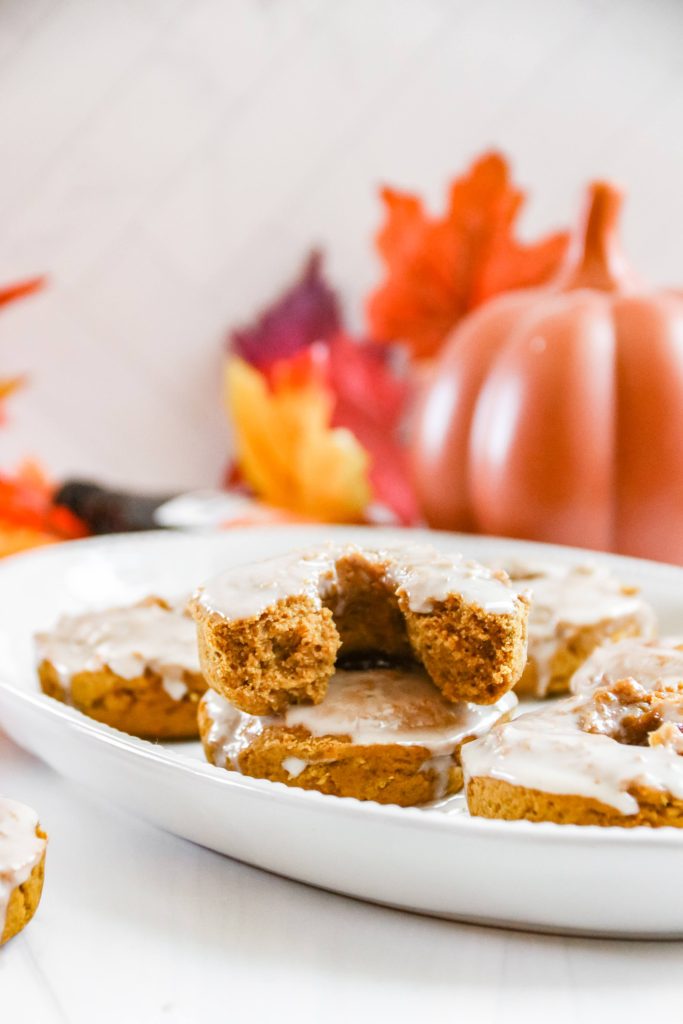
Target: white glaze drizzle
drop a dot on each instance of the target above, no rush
(127, 641)
(375, 706)
(247, 590)
(20, 849)
(656, 665)
(549, 750)
(565, 599)
(294, 766)
(175, 688)
(426, 576)
(440, 766)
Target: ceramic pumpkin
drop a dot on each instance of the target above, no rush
(557, 413)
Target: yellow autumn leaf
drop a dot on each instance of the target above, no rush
(287, 450)
(8, 385)
(16, 538)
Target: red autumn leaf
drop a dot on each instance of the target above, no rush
(305, 313)
(309, 367)
(372, 390)
(370, 377)
(440, 268)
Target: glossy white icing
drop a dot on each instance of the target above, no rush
(391, 705)
(425, 575)
(374, 706)
(127, 641)
(565, 599)
(440, 765)
(547, 751)
(551, 751)
(247, 590)
(20, 849)
(656, 665)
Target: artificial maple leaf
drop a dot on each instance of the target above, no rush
(28, 513)
(372, 391)
(440, 268)
(8, 385)
(10, 292)
(306, 312)
(286, 448)
(298, 339)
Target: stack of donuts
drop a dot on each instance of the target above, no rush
(355, 672)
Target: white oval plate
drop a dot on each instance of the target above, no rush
(555, 878)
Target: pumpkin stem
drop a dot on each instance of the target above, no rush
(595, 259)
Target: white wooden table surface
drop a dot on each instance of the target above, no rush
(138, 927)
(168, 163)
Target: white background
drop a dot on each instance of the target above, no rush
(168, 163)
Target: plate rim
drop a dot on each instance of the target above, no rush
(424, 818)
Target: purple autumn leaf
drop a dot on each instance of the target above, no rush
(306, 312)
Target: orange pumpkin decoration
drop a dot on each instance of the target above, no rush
(556, 413)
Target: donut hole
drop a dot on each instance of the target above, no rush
(368, 661)
(469, 654)
(366, 612)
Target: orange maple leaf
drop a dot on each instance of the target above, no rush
(10, 292)
(28, 514)
(440, 268)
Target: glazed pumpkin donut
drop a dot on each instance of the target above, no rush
(609, 755)
(134, 668)
(22, 866)
(574, 609)
(383, 734)
(269, 633)
(655, 663)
